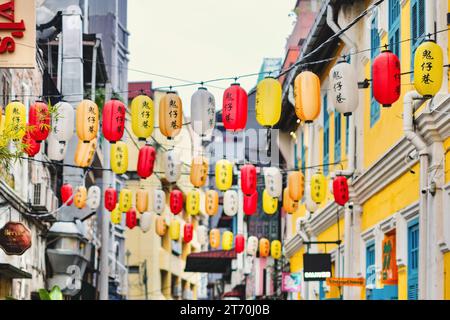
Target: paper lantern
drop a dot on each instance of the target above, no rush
(110, 199)
(15, 120)
(113, 120)
(344, 88)
(39, 121)
(268, 102)
(56, 151)
(131, 219)
(231, 203)
(235, 108)
(276, 249)
(428, 68)
(87, 121)
(176, 202)
(159, 201)
(146, 162)
(142, 200)
(199, 171)
(31, 146)
(193, 202)
(188, 232)
(142, 117)
(386, 78)
(273, 181)
(63, 122)
(212, 202)
(310, 205)
(239, 244)
(224, 175)
(174, 230)
(307, 96)
(80, 198)
(289, 205)
(318, 188)
(264, 248)
(248, 179)
(202, 235)
(170, 115)
(67, 194)
(250, 204)
(203, 112)
(125, 200)
(161, 226)
(172, 166)
(227, 240)
(252, 246)
(85, 153)
(116, 216)
(119, 157)
(296, 185)
(94, 198)
(214, 238)
(340, 190)
(145, 222)
(270, 205)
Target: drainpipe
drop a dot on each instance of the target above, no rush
(413, 99)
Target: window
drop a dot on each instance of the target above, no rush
(347, 133)
(394, 26)
(374, 51)
(370, 268)
(337, 137)
(326, 135)
(417, 26)
(413, 260)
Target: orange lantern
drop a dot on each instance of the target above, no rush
(142, 200)
(85, 152)
(87, 120)
(214, 238)
(170, 115)
(199, 171)
(80, 198)
(307, 96)
(212, 202)
(289, 205)
(160, 226)
(296, 185)
(264, 248)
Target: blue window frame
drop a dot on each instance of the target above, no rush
(394, 26)
(347, 133)
(370, 267)
(417, 26)
(374, 51)
(337, 136)
(326, 135)
(413, 260)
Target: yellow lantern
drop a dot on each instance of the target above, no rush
(212, 202)
(160, 226)
(268, 102)
(270, 205)
(296, 185)
(227, 240)
(318, 188)
(174, 230)
(125, 200)
(307, 96)
(85, 153)
(264, 248)
(276, 249)
(224, 175)
(428, 68)
(116, 216)
(80, 197)
(289, 205)
(142, 200)
(214, 238)
(170, 115)
(119, 157)
(199, 171)
(87, 120)
(193, 203)
(142, 117)
(15, 120)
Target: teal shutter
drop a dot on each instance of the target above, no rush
(417, 27)
(394, 26)
(370, 267)
(337, 136)
(413, 260)
(295, 156)
(347, 133)
(374, 51)
(326, 135)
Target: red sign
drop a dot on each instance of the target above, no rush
(15, 239)
(389, 273)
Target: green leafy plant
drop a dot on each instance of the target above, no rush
(54, 294)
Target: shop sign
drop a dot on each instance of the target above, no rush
(316, 267)
(389, 273)
(15, 239)
(346, 282)
(291, 282)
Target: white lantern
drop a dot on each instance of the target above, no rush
(145, 222)
(63, 122)
(252, 246)
(344, 88)
(159, 201)
(56, 150)
(172, 166)
(203, 112)
(202, 235)
(94, 198)
(231, 203)
(273, 182)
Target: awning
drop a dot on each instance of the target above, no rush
(10, 272)
(210, 262)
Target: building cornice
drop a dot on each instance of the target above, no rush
(324, 219)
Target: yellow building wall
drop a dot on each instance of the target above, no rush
(403, 283)
(447, 276)
(331, 234)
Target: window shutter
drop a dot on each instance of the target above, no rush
(421, 19)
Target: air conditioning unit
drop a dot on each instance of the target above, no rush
(38, 197)
(37, 173)
(51, 201)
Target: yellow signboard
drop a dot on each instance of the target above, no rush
(346, 282)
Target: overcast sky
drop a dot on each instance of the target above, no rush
(198, 40)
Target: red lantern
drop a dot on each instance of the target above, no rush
(188, 232)
(250, 204)
(235, 107)
(146, 162)
(386, 78)
(176, 202)
(31, 147)
(113, 122)
(39, 120)
(110, 199)
(340, 190)
(66, 194)
(248, 179)
(131, 219)
(239, 244)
